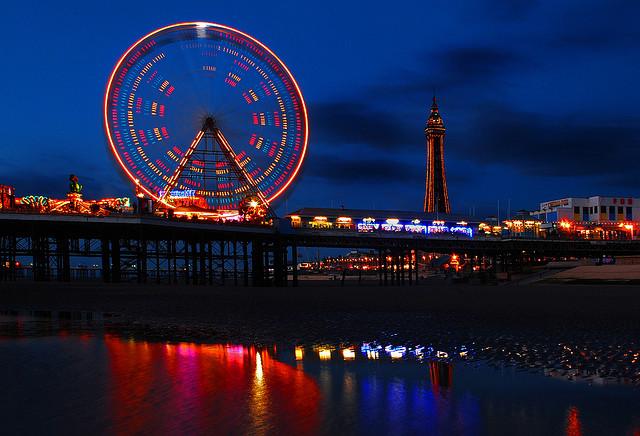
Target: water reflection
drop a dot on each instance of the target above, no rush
(573, 422)
(88, 384)
(299, 352)
(387, 396)
(592, 356)
(190, 387)
(441, 375)
(349, 353)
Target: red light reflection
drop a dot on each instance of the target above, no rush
(441, 375)
(574, 428)
(178, 388)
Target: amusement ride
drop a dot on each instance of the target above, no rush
(206, 121)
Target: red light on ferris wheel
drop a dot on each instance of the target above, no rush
(168, 85)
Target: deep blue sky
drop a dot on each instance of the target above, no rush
(540, 99)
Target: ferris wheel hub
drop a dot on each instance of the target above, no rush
(209, 124)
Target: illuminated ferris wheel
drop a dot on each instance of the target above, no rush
(204, 115)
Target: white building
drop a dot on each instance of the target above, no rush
(590, 218)
(593, 209)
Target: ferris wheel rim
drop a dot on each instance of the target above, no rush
(118, 64)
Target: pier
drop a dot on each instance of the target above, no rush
(149, 249)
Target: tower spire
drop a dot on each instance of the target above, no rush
(436, 197)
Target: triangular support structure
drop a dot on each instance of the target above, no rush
(211, 131)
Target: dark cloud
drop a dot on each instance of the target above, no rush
(596, 26)
(548, 145)
(460, 177)
(594, 40)
(351, 122)
(447, 70)
(625, 180)
(464, 66)
(593, 43)
(536, 144)
(402, 102)
(367, 170)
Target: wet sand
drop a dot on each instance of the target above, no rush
(535, 306)
(567, 330)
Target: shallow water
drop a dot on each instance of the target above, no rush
(103, 384)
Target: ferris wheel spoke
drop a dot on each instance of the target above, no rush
(233, 161)
(180, 168)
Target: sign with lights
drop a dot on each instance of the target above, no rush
(368, 225)
(553, 204)
(467, 231)
(392, 225)
(437, 227)
(416, 228)
(187, 193)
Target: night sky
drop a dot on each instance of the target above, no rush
(540, 99)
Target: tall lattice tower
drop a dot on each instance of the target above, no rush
(436, 198)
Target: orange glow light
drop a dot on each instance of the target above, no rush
(565, 225)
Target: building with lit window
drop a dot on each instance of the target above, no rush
(522, 225)
(595, 217)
